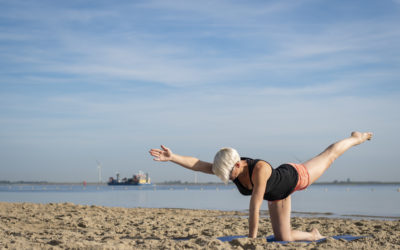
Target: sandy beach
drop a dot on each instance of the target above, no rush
(70, 226)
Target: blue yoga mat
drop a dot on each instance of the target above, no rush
(271, 238)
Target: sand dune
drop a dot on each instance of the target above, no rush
(70, 226)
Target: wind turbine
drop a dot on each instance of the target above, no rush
(99, 169)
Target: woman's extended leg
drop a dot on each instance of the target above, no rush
(319, 164)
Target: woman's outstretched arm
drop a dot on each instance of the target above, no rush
(261, 174)
(189, 162)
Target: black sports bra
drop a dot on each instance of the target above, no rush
(280, 184)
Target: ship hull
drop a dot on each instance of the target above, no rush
(127, 184)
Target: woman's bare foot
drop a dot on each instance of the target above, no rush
(316, 234)
(361, 137)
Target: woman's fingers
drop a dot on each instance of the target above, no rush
(156, 155)
(154, 152)
(160, 155)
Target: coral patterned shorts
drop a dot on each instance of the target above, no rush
(304, 177)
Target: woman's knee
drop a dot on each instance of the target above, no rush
(285, 237)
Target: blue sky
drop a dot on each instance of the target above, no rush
(82, 81)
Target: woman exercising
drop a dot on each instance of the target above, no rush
(257, 178)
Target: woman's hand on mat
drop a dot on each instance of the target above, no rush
(163, 154)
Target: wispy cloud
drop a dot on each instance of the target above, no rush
(140, 55)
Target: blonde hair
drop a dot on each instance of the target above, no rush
(224, 161)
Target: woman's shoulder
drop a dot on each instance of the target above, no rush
(261, 171)
(262, 164)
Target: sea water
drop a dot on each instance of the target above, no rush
(350, 201)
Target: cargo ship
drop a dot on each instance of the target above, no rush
(137, 179)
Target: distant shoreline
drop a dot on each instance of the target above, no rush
(178, 183)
